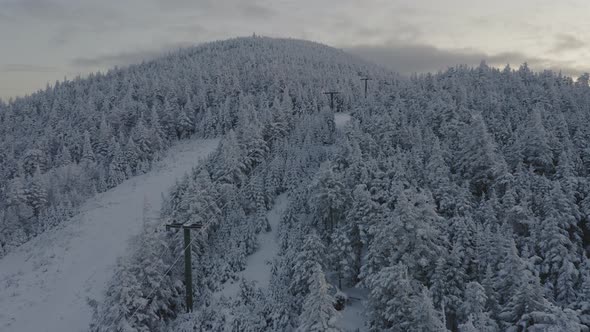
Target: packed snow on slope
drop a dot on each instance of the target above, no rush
(353, 317)
(46, 283)
(341, 120)
(259, 264)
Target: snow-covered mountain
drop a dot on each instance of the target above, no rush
(451, 201)
(76, 138)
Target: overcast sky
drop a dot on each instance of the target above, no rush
(46, 40)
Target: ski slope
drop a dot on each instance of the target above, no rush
(45, 284)
(341, 120)
(259, 264)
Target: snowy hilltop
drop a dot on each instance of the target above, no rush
(456, 201)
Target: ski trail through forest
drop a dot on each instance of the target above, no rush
(352, 317)
(46, 284)
(259, 264)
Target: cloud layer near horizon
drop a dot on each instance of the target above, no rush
(421, 58)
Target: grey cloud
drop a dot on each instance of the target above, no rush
(516, 59)
(35, 9)
(565, 42)
(411, 58)
(243, 8)
(125, 58)
(73, 14)
(5, 17)
(422, 58)
(185, 4)
(404, 32)
(254, 10)
(15, 68)
(63, 36)
(67, 20)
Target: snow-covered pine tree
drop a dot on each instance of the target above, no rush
(330, 198)
(390, 299)
(479, 161)
(312, 253)
(318, 309)
(342, 256)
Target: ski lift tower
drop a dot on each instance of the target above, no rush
(331, 94)
(366, 79)
(188, 276)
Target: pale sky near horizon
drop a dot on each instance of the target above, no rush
(46, 40)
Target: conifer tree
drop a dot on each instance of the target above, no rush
(535, 149)
(64, 157)
(36, 193)
(479, 161)
(184, 125)
(425, 317)
(342, 256)
(87, 152)
(330, 197)
(102, 143)
(116, 172)
(318, 309)
(229, 160)
(390, 299)
(131, 157)
(143, 141)
(411, 235)
(157, 133)
(312, 253)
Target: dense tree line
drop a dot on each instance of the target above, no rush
(230, 194)
(458, 200)
(468, 191)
